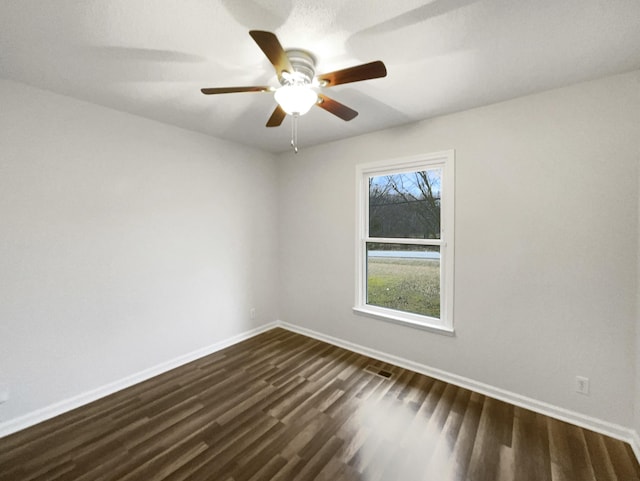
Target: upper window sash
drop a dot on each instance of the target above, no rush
(405, 205)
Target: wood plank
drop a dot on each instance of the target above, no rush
(281, 406)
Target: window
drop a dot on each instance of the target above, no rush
(405, 241)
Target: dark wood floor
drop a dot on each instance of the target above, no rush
(286, 407)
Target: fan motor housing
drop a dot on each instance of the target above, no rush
(304, 65)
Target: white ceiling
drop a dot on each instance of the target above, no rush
(151, 57)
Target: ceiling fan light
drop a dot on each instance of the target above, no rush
(296, 99)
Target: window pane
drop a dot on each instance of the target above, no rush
(404, 277)
(405, 205)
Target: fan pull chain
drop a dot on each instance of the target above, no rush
(294, 132)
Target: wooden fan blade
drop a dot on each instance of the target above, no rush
(365, 71)
(271, 47)
(277, 117)
(231, 90)
(336, 108)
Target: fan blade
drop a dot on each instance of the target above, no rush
(365, 71)
(336, 108)
(277, 117)
(271, 47)
(232, 90)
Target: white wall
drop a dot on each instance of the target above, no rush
(546, 244)
(124, 243)
(636, 419)
(636, 425)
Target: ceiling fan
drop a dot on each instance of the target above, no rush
(299, 83)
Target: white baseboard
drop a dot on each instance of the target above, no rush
(598, 425)
(610, 429)
(635, 444)
(16, 424)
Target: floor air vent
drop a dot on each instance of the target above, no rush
(383, 373)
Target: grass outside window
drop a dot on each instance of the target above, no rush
(407, 284)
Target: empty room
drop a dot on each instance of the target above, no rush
(320, 240)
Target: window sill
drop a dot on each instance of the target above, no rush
(391, 316)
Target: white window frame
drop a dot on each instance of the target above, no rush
(444, 160)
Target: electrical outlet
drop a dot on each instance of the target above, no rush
(252, 313)
(582, 385)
